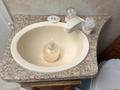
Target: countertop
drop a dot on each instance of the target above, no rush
(12, 71)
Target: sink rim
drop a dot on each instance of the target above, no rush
(20, 60)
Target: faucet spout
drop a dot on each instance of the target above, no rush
(73, 23)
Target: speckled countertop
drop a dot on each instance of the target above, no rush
(10, 70)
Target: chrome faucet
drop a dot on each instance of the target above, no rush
(73, 22)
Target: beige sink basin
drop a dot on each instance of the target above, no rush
(31, 47)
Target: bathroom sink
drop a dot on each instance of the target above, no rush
(45, 47)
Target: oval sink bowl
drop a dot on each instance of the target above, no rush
(45, 47)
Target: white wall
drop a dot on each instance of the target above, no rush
(4, 28)
(83, 7)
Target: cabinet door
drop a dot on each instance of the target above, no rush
(5, 28)
(112, 51)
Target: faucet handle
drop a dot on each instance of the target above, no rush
(70, 13)
(88, 25)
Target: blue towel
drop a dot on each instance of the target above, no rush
(86, 84)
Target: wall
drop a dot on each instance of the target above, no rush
(4, 28)
(83, 7)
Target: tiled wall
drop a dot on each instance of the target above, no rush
(83, 7)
